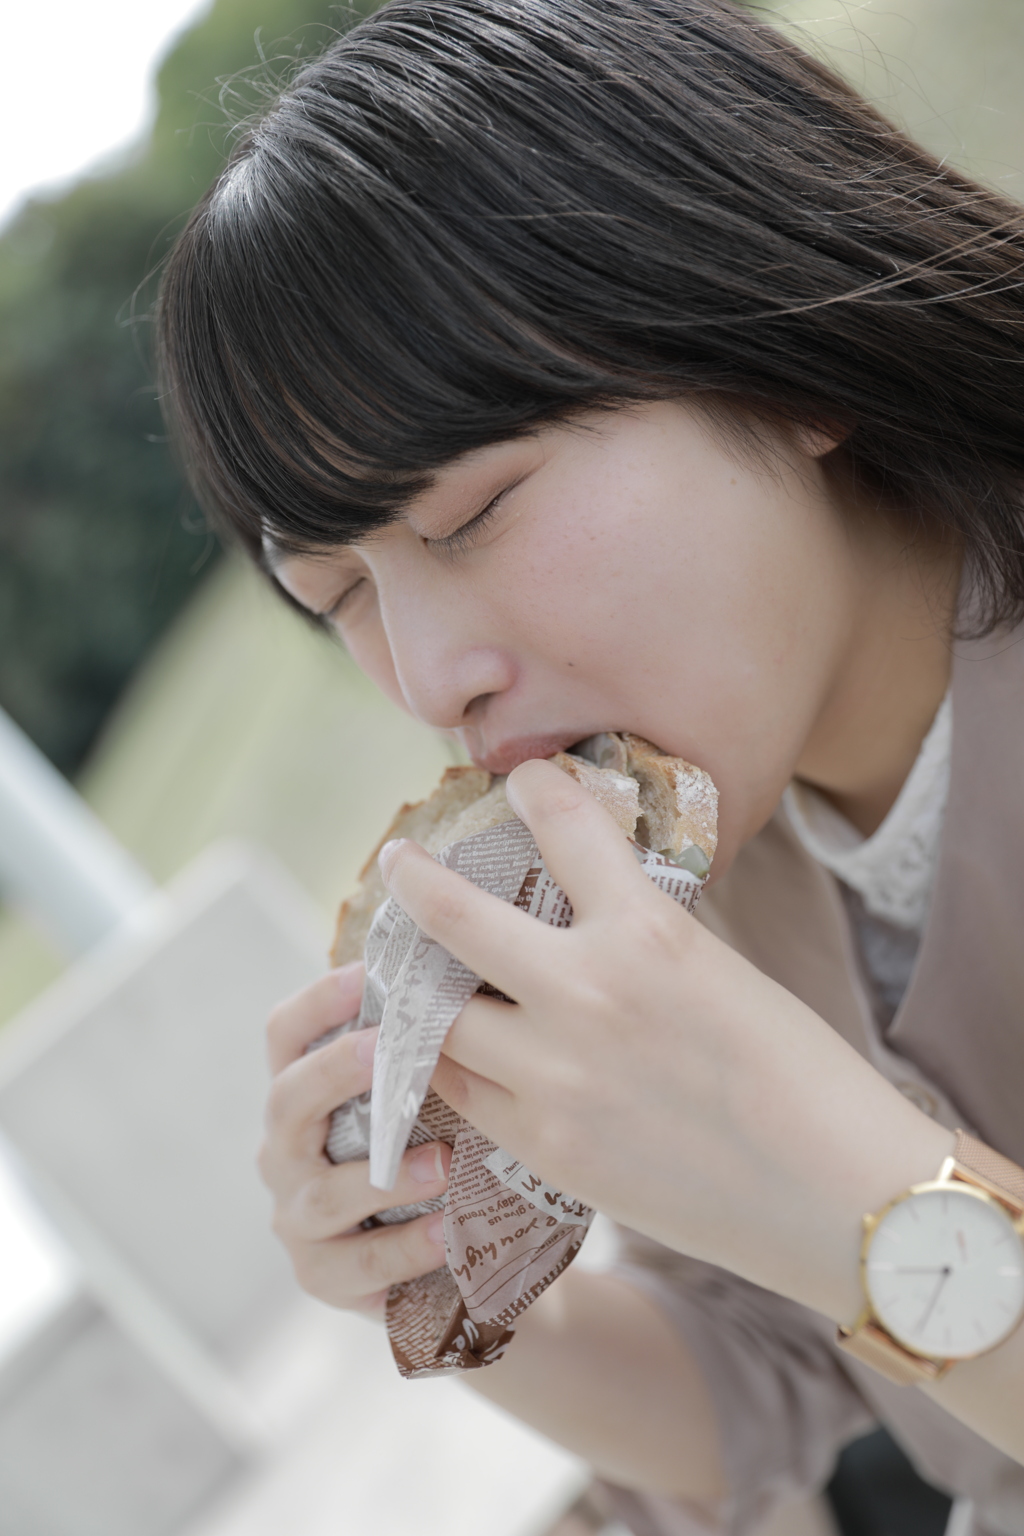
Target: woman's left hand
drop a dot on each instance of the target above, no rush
(650, 1070)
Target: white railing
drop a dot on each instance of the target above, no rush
(57, 859)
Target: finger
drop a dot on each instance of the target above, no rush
(488, 1039)
(352, 1271)
(339, 1197)
(303, 1018)
(506, 947)
(584, 850)
(485, 1104)
(305, 1093)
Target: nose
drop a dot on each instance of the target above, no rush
(446, 675)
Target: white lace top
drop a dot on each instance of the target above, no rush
(887, 877)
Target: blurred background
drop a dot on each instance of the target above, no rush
(244, 765)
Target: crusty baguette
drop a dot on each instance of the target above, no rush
(617, 792)
(678, 803)
(490, 810)
(459, 787)
(663, 801)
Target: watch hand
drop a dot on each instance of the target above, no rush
(938, 1269)
(947, 1271)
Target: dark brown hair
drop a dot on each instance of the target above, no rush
(471, 217)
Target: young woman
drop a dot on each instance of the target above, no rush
(608, 364)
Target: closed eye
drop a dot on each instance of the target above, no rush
(455, 543)
(326, 615)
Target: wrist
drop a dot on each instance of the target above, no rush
(942, 1267)
(881, 1146)
(818, 1137)
(911, 1154)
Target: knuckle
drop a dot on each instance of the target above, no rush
(376, 1262)
(279, 1022)
(417, 1254)
(320, 1271)
(320, 1200)
(661, 924)
(332, 1070)
(318, 1068)
(563, 800)
(306, 1267)
(456, 1086)
(279, 1100)
(326, 1270)
(651, 931)
(448, 906)
(585, 989)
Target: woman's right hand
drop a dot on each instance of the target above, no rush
(319, 1205)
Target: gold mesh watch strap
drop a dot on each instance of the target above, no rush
(978, 1164)
(873, 1346)
(867, 1341)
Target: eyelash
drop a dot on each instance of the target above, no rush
(451, 544)
(455, 543)
(327, 614)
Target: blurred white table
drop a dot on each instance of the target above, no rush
(181, 1382)
(360, 1452)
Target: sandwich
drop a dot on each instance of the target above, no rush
(662, 802)
(508, 1233)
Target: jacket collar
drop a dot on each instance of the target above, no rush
(962, 1017)
(958, 1037)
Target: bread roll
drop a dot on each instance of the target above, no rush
(663, 802)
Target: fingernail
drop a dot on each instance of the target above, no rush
(386, 855)
(425, 1167)
(435, 1230)
(366, 1044)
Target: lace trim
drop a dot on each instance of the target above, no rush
(893, 869)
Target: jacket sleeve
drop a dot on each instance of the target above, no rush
(785, 1405)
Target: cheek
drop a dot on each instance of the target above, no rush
(703, 608)
(764, 617)
(706, 587)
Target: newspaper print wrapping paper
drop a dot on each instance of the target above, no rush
(508, 1234)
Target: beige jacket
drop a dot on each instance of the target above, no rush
(786, 1399)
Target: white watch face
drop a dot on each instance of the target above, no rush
(945, 1272)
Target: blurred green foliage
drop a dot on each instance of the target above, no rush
(99, 541)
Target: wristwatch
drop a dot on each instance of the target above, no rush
(942, 1267)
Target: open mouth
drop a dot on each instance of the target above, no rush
(605, 749)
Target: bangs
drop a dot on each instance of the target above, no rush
(472, 218)
(329, 340)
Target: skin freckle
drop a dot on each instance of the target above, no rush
(730, 616)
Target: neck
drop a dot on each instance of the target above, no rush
(891, 679)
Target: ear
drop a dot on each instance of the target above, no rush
(818, 438)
